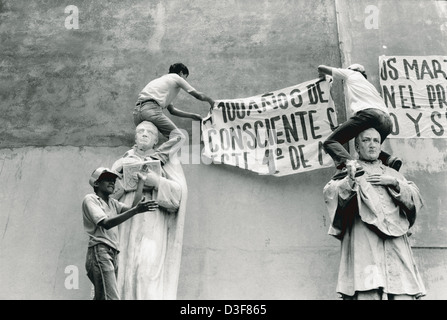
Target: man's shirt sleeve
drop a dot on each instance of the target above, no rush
(92, 210)
(343, 74)
(182, 83)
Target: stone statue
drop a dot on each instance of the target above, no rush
(151, 244)
(372, 215)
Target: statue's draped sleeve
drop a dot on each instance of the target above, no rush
(391, 212)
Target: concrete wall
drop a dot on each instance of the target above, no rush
(66, 103)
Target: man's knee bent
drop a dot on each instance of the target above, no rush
(327, 143)
(178, 135)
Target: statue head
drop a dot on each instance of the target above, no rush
(367, 144)
(146, 135)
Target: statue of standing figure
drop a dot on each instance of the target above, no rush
(151, 244)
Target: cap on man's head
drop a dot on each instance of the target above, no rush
(357, 67)
(101, 173)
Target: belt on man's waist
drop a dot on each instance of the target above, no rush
(144, 101)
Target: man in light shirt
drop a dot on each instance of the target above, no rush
(101, 216)
(369, 111)
(158, 95)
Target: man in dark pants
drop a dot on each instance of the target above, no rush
(369, 111)
(158, 95)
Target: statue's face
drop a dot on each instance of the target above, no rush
(146, 137)
(368, 145)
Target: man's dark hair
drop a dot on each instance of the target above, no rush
(178, 67)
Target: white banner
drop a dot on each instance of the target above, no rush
(278, 133)
(415, 91)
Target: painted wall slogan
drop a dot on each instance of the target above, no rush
(414, 89)
(278, 133)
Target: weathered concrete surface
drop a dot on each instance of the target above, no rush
(66, 98)
(246, 236)
(62, 87)
(243, 220)
(299, 273)
(294, 273)
(41, 219)
(78, 87)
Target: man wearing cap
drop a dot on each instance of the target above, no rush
(369, 111)
(101, 214)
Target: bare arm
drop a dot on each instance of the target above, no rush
(183, 114)
(108, 223)
(324, 71)
(138, 206)
(202, 97)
